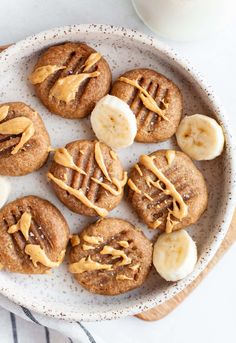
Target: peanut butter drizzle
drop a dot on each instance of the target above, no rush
(17, 126)
(22, 225)
(118, 183)
(146, 98)
(113, 155)
(65, 178)
(135, 267)
(75, 240)
(63, 157)
(87, 247)
(40, 74)
(124, 244)
(170, 223)
(100, 161)
(136, 166)
(92, 239)
(91, 60)
(116, 253)
(78, 193)
(179, 211)
(4, 112)
(65, 88)
(37, 255)
(123, 277)
(155, 224)
(87, 265)
(1, 266)
(148, 196)
(134, 188)
(150, 182)
(170, 156)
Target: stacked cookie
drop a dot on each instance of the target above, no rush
(165, 188)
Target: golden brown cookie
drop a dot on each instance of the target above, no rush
(167, 191)
(24, 141)
(88, 177)
(33, 235)
(111, 257)
(155, 100)
(70, 78)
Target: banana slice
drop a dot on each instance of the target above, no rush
(200, 137)
(113, 122)
(5, 190)
(174, 255)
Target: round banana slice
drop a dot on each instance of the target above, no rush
(5, 190)
(113, 122)
(174, 255)
(200, 137)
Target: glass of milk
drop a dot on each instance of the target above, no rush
(185, 19)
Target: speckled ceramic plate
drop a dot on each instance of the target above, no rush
(58, 294)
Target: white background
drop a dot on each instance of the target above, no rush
(209, 313)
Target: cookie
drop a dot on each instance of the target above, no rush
(155, 100)
(167, 191)
(111, 257)
(88, 177)
(33, 235)
(70, 78)
(24, 141)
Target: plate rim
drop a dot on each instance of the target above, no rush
(185, 65)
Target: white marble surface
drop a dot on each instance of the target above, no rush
(209, 313)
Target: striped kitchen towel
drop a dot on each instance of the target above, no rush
(19, 325)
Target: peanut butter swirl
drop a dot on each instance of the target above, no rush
(16, 126)
(146, 98)
(40, 74)
(65, 88)
(180, 209)
(116, 253)
(22, 225)
(38, 255)
(87, 265)
(78, 193)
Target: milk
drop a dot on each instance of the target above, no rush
(185, 19)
